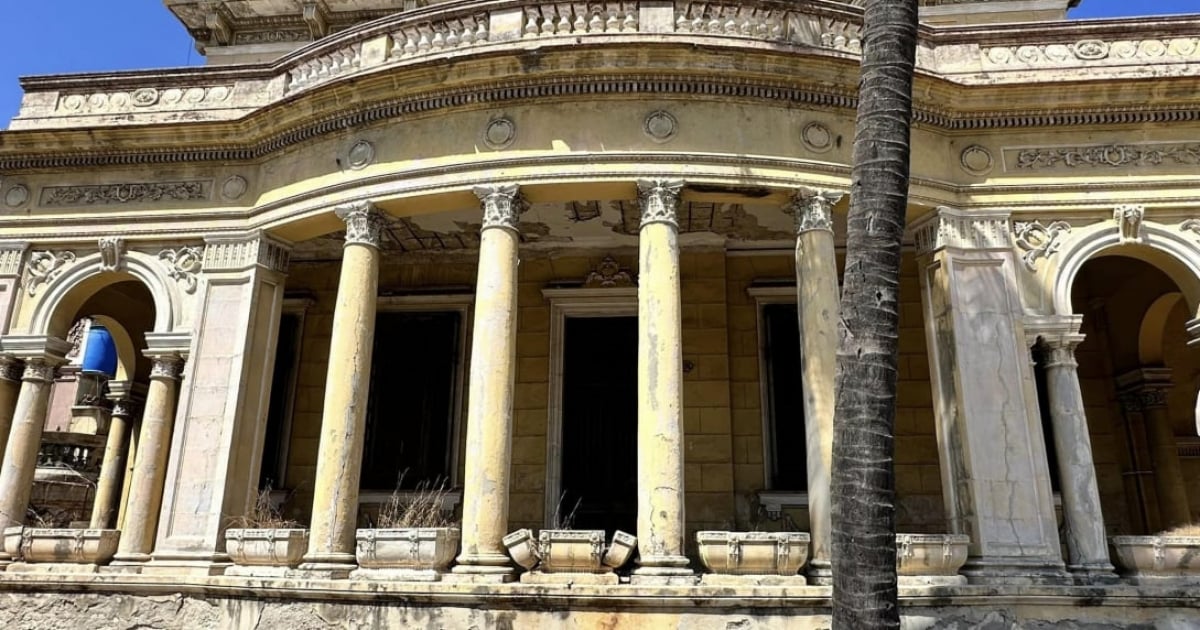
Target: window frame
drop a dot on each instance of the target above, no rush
(292, 307)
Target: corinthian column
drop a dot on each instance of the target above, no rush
(150, 467)
(489, 419)
(347, 384)
(1087, 543)
(817, 305)
(660, 388)
(112, 469)
(10, 388)
(1145, 390)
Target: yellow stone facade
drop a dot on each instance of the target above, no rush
(249, 231)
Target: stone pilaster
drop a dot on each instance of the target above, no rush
(660, 522)
(212, 472)
(817, 304)
(12, 264)
(109, 486)
(343, 421)
(1087, 542)
(1144, 391)
(150, 465)
(42, 356)
(995, 483)
(492, 382)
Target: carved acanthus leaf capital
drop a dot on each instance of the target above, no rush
(364, 223)
(166, 367)
(11, 368)
(125, 408)
(813, 209)
(502, 205)
(658, 200)
(1059, 350)
(39, 370)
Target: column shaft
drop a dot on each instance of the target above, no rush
(1168, 473)
(817, 306)
(20, 458)
(112, 469)
(660, 519)
(131, 450)
(10, 389)
(1087, 542)
(493, 378)
(343, 420)
(150, 465)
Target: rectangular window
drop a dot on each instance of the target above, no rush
(784, 398)
(413, 398)
(283, 390)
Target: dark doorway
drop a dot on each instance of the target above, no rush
(789, 455)
(411, 404)
(599, 423)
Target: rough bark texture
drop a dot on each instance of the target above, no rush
(863, 488)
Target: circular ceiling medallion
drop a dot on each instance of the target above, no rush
(976, 160)
(500, 133)
(17, 195)
(817, 137)
(234, 187)
(660, 125)
(361, 154)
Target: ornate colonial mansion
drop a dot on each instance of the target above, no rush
(522, 314)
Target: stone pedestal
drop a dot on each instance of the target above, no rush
(1087, 542)
(1145, 391)
(213, 469)
(42, 356)
(995, 482)
(817, 304)
(339, 461)
(492, 382)
(112, 469)
(150, 465)
(660, 521)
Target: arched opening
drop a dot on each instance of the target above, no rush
(1139, 381)
(106, 323)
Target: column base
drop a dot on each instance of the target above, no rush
(1016, 571)
(664, 571)
(482, 569)
(183, 563)
(820, 573)
(327, 565)
(130, 559)
(1093, 574)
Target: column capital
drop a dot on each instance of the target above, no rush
(502, 205)
(658, 200)
(12, 255)
(364, 223)
(812, 208)
(1061, 350)
(1059, 334)
(245, 251)
(11, 368)
(1144, 388)
(40, 369)
(166, 366)
(951, 228)
(125, 407)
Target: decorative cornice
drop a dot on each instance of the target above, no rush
(1038, 241)
(961, 229)
(238, 254)
(43, 267)
(1107, 155)
(502, 205)
(658, 200)
(364, 223)
(813, 209)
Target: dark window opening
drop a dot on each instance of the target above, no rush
(410, 408)
(1039, 379)
(279, 410)
(785, 399)
(600, 417)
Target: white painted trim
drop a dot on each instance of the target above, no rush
(463, 304)
(764, 295)
(564, 303)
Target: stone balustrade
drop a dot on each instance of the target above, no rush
(81, 452)
(1022, 52)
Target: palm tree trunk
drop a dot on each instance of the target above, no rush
(863, 486)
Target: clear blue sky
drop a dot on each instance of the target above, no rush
(57, 36)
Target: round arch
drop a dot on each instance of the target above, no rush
(1164, 248)
(67, 293)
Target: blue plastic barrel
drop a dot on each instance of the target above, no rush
(101, 352)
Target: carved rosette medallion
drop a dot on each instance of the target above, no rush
(1039, 241)
(183, 264)
(1129, 222)
(166, 367)
(360, 155)
(17, 195)
(502, 206)
(39, 371)
(364, 223)
(816, 137)
(660, 126)
(658, 200)
(500, 133)
(112, 250)
(976, 160)
(812, 209)
(43, 267)
(11, 368)
(234, 187)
